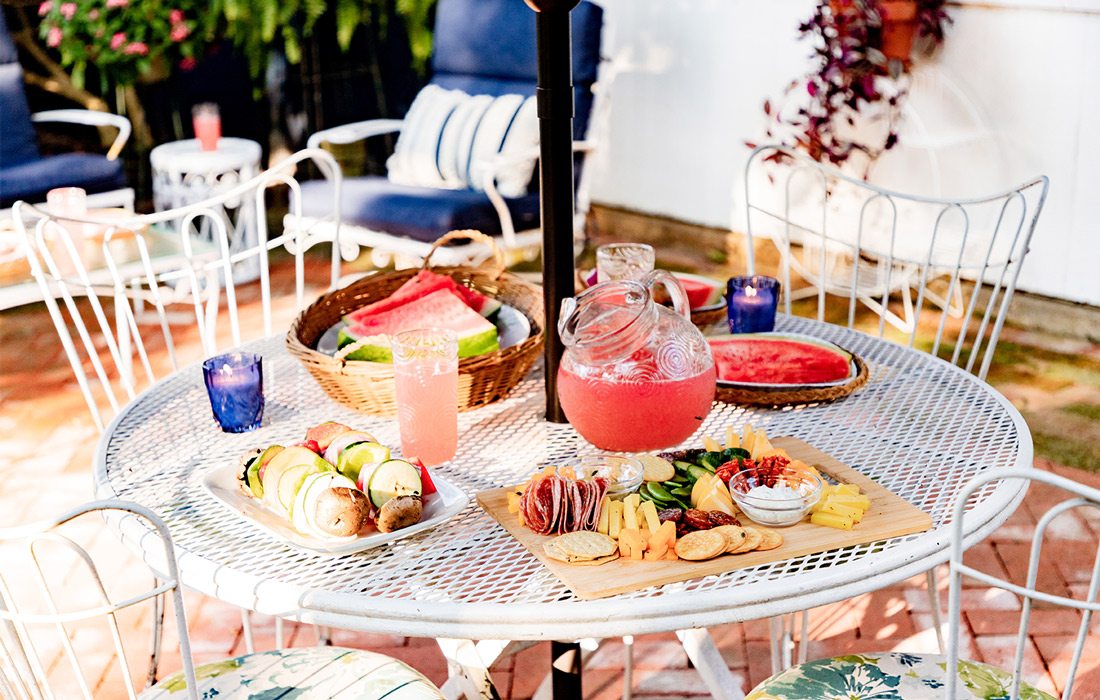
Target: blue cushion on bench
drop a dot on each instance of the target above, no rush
(32, 179)
(17, 144)
(488, 47)
(421, 213)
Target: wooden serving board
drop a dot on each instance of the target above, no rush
(889, 516)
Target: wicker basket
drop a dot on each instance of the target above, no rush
(792, 397)
(369, 387)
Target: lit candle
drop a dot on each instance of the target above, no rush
(235, 384)
(751, 303)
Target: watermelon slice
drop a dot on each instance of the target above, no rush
(778, 359)
(701, 291)
(440, 309)
(424, 283)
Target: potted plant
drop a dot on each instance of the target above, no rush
(862, 51)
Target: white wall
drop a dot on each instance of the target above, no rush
(691, 76)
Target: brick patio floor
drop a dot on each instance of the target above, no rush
(46, 444)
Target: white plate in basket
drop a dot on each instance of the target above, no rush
(222, 484)
(853, 368)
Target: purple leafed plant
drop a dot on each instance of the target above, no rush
(850, 67)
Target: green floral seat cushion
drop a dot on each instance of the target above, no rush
(890, 676)
(308, 673)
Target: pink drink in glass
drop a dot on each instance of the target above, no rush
(426, 384)
(636, 416)
(207, 123)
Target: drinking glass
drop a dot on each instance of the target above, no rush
(235, 384)
(207, 122)
(425, 368)
(624, 261)
(751, 302)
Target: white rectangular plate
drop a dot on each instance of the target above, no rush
(222, 484)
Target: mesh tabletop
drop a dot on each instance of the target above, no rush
(920, 427)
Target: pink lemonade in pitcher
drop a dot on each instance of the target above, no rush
(624, 416)
(635, 375)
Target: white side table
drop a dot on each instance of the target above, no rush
(184, 174)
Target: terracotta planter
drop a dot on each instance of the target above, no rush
(899, 27)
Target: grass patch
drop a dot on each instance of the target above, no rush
(1067, 452)
(1085, 410)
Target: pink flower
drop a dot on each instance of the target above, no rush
(179, 32)
(117, 41)
(117, 3)
(175, 16)
(187, 63)
(44, 8)
(136, 47)
(93, 15)
(53, 37)
(68, 9)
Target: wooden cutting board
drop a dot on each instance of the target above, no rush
(889, 516)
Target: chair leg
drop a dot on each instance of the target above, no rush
(628, 667)
(934, 607)
(278, 633)
(246, 629)
(804, 637)
(775, 634)
(712, 667)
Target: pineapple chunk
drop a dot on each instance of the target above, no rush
(850, 489)
(861, 501)
(732, 440)
(831, 506)
(710, 444)
(840, 522)
(605, 516)
(614, 519)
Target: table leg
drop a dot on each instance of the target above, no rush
(712, 667)
(565, 669)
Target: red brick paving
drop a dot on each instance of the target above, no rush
(47, 434)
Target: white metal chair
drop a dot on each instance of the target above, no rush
(934, 676)
(847, 238)
(31, 617)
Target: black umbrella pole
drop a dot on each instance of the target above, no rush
(555, 108)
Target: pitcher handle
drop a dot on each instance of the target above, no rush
(675, 290)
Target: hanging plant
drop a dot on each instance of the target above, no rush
(862, 53)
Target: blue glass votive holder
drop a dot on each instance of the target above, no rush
(235, 383)
(751, 302)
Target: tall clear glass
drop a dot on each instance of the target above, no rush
(425, 367)
(624, 261)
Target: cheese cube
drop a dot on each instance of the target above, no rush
(614, 519)
(630, 511)
(732, 440)
(710, 444)
(656, 550)
(747, 437)
(605, 512)
(631, 543)
(665, 533)
(648, 514)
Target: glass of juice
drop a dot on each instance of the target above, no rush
(425, 368)
(624, 261)
(207, 122)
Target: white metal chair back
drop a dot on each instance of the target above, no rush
(843, 236)
(195, 278)
(1079, 497)
(24, 672)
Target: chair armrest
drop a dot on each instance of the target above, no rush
(489, 184)
(356, 131)
(90, 117)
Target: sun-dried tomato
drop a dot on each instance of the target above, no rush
(673, 514)
(697, 519)
(717, 518)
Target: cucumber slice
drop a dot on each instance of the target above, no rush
(355, 457)
(252, 478)
(682, 466)
(697, 472)
(711, 460)
(393, 478)
(731, 453)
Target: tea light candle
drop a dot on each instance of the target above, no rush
(235, 384)
(751, 302)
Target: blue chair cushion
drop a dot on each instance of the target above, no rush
(488, 47)
(18, 143)
(31, 180)
(420, 213)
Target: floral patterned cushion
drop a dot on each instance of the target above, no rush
(890, 676)
(309, 673)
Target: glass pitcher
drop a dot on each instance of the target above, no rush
(635, 375)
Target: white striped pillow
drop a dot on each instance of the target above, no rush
(450, 137)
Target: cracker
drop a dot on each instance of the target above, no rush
(553, 552)
(656, 468)
(700, 545)
(597, 561)
(753, 538)
(585, 545)
(734, 534)
(772, 539)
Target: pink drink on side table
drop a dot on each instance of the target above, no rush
(636, 416)
(426, 383)
(207, 123)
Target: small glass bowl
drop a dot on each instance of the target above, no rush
(776, 512)
(623, 474)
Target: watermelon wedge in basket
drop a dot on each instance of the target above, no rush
(778, 359)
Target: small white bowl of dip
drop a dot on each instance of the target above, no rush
(776, 498)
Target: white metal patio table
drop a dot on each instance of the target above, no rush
(921, 427)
